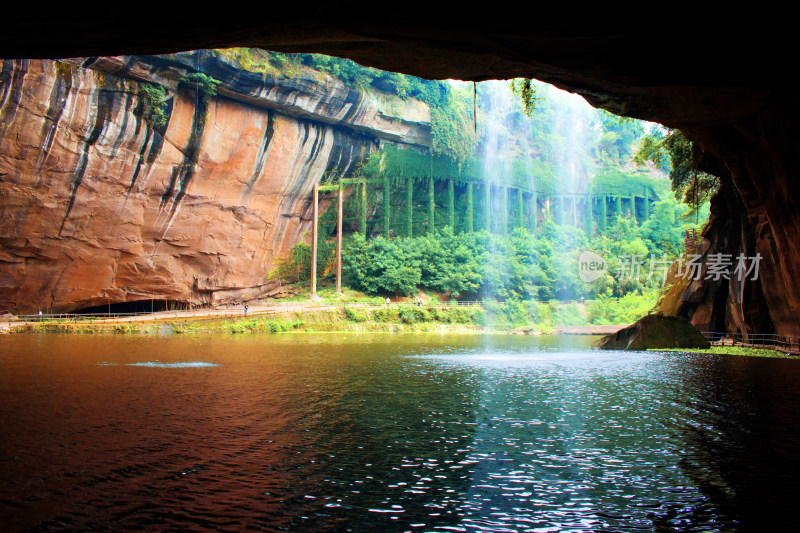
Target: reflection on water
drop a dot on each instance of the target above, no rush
(390, 432)
(157, 364)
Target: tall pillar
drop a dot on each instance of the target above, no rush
(363, 222)
(431, 206)
(562, 210)
(470, 208)
(386, 208)
(603, 212)
(314, 215)
(451, 205)
(646, 205)
(410, 208)
(619, 206)
(520, 210)
(504, 204)
(339, 204)
(535, 214)
(487, 207)
(589, 203)
(633, 208)
(575, 211)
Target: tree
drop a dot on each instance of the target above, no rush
(688, 184)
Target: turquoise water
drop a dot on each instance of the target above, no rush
(390, 432)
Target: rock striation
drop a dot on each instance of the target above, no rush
(100, 205)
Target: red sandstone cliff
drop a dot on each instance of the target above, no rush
(97, 206)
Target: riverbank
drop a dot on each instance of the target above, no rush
(301, 316)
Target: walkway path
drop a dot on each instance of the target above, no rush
(253, 310)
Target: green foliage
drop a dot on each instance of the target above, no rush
(378, 266)
(258, 60)
(619, 182)
(204, 86)
(262, 325)
(618, 137)
(154, 105)
(354, 315)
(526, 91)
(569, 315)
(467, 265)
(735, 350)
(296, 266)
(453, 134)
(65, 70)
(688, 184)
(606, 309)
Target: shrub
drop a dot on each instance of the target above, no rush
(354, 315)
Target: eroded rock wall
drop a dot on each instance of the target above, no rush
(733, 302)
(97, 206)
(755, 213)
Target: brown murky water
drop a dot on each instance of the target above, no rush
(384, 432)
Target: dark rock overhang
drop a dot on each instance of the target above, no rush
(674, 66)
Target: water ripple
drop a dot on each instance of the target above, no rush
(391, 435)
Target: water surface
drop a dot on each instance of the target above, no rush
(391, 432)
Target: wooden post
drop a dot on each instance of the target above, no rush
(363, 224)
(520, 210)
(339, 204)
(646, 205)
(633, 208)
(410, 208)
(619, 206)
(386, 208)
(505, 218)
(589, 202)
(487, 206)
(431, 206)
(451, 205)
(603, 212)
(315, 213)
(470, 208)
(575, 211)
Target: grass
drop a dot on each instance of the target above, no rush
(735, 350)
(243, 325)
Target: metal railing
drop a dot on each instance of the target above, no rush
(238, 311)
(767, 340)
(253, 309)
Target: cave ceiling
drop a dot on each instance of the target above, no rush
(672, 66)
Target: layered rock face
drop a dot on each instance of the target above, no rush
(98, 206)
(756, 213)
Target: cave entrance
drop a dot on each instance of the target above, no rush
(135, 307)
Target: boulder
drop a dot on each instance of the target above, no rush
(653, 332)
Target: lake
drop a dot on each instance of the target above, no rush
(391, 432)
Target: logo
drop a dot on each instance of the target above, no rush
(591, 266)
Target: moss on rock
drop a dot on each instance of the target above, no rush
(654, 332)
